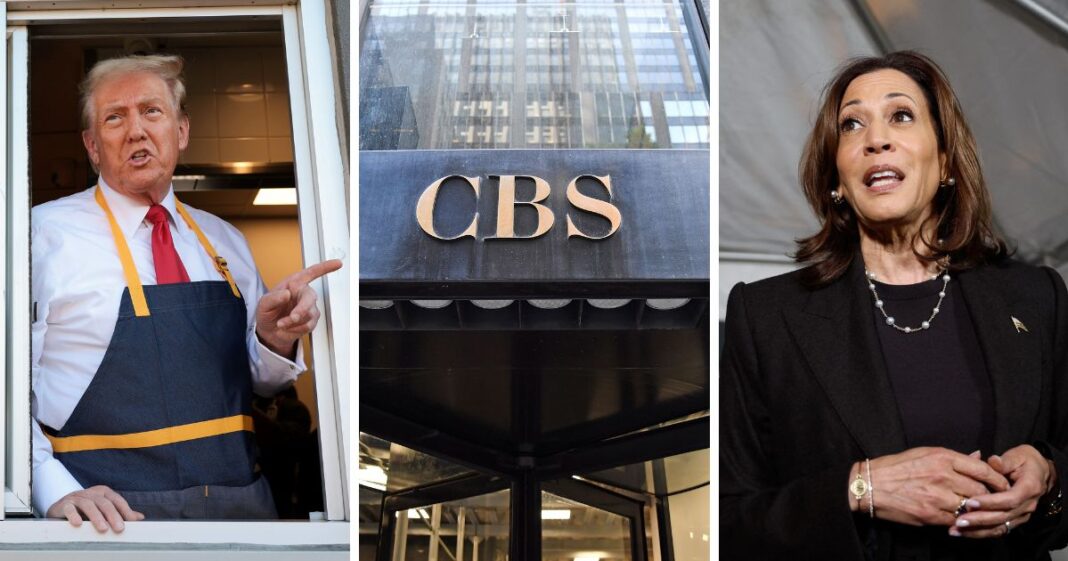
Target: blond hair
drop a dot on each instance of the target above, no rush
(167, 67)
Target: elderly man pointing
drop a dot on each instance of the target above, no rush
(152, 327)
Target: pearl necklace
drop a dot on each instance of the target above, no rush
(890, 319)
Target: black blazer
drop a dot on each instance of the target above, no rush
(804, 394)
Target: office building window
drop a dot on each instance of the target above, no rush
(581, 70)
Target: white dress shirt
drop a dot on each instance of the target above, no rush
(77, 286)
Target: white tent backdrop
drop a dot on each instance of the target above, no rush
(1007, 61)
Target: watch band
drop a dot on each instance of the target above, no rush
(859, 487)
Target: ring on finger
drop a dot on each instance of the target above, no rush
(961, 507)
(1008, 526)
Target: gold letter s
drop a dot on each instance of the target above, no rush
(592, 205)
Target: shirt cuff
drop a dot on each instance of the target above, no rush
(272, 372)
(51, 482)
(276, 362)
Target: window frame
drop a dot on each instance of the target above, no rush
(4, 157)
(320, 182)
(201, 536)
(17, 459)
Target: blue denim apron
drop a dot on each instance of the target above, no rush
(166, 420)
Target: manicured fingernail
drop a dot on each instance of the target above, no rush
(973, 504)
(954, 532)
(962, 523)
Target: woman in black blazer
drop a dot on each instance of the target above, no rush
(904, 396)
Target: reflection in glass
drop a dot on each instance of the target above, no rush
(594, 74)
(574, 531)
(660, 477)
(374, 462)
(690, 524)
(474, 528)
(409, 468)
(370, 517)
(686, 471)
(388, 466)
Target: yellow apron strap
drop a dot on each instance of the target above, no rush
(158, 437)
(220, 263)
(137, 292)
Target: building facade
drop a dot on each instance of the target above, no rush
(534, 278)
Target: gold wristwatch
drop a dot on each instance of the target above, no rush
(858, 487)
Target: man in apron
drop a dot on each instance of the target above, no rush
(151, 326)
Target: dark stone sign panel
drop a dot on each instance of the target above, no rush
(660, 248)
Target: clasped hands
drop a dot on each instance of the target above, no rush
(926, 487)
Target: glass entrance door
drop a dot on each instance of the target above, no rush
(579, 522)
(474, 527)
(583, 522)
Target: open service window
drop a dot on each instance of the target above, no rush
(265, 155)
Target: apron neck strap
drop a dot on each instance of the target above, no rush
(219, 262)
(137, 292)
(129, 270)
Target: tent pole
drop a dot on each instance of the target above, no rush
(875, 31)
(1043, 13)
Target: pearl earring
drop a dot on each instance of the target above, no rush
(836, 197)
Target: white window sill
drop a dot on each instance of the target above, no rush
(178, 535)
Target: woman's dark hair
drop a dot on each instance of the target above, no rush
(961, 212)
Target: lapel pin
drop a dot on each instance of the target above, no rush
(1018, 324)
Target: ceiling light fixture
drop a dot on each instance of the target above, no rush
(372, 476)
(418, 513)
(241, 167)
(555, 514)
(276, 197)
(415, 513)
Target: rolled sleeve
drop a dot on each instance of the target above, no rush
(51, 480)
(271, 372)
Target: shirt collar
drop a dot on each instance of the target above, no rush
(130, 213)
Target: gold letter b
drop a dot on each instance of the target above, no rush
(506, 204)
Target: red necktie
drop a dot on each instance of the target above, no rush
(169, 267)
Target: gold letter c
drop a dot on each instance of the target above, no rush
(424, 209)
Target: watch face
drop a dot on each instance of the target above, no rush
(858, 488)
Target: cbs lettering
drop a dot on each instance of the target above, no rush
(507, 203)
